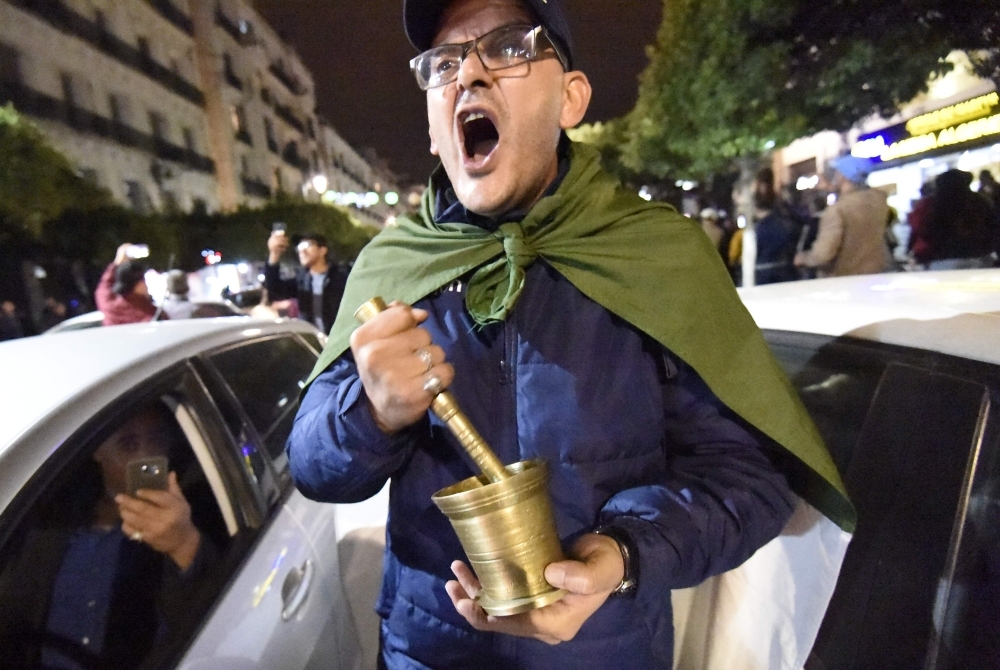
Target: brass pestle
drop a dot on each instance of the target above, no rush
(503, 518)
(446, 408)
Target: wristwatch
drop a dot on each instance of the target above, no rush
(630, 558)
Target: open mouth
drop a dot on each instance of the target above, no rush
(480, 136)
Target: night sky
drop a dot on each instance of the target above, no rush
(359, 55)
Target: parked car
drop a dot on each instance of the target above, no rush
(273, 596)
(205, 309)
(901, 373)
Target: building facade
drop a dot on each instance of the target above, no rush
(173, 104)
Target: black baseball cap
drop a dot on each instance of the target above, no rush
(422, 18)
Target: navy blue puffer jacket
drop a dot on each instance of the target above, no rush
(632, 437)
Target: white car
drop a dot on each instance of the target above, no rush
(901, 374)
(270, 597)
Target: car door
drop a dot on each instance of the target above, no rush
(286, 608)
(62, 601)
(914, 435)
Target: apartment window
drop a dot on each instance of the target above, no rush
(311, 128)
(272, 143)
(244, 166)
(68, 89)
(170, 202)
(101, 21)
(189, 140)
(158, 125)
(143, 44)
(10, 65)
(137, 196)
(116, 105)
(238, 116)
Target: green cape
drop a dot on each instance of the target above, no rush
(642, 261)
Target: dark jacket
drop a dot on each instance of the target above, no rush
(300, 288)
(632, 436)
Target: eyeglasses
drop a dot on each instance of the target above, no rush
(304, 244)
(505, 47)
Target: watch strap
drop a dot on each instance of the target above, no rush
(630, 558)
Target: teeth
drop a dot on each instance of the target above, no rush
(474, 117)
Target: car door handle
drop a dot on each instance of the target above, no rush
(295, 590)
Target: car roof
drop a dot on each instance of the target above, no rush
(954, 312)
(91, 367)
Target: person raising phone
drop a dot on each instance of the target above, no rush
(318, 286)
(122, 294)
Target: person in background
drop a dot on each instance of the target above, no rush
(53, 313)
(318, 286)
(776, 234)
(122, 295)
(852, 231)
(176, 304)
(710, 224)
(989, 189)
(10, 324)
(956, 228)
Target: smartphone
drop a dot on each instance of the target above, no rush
(137, 251)
(146, 473)
(278, 227)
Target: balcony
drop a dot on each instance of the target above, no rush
(64, 19)
(232, 79)
(289, 81)
(40, 105)
(256, 188)
(288, 116)
(242, 32)
(291, 156)
(169, 11)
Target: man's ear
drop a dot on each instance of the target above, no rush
(434, 146)
(576, 99)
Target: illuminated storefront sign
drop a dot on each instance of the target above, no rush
(958, 124)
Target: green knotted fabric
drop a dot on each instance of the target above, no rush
(642, 261)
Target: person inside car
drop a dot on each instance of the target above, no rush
(575, 322)
(107, 580)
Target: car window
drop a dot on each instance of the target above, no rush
(969, 626)
(266, 377)
(87, 580)
(904, 427)
(836, 380)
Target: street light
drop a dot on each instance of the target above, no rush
(320, 183)
(391, 198)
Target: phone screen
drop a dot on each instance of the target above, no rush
(146, 473)
(278, 227)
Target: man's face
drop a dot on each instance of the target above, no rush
(310, 253)
(142, 436)
(496, 133)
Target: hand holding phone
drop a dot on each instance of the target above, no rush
(146, 473)
(137, 251)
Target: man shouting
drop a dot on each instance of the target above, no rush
(575, 322)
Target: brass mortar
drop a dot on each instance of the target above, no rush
(503, 517)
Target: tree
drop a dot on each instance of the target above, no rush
(728, 79)
(37, 183)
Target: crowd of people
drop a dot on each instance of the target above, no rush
(852, 232)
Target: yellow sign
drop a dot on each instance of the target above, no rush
(953, 115)
(973, 130)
